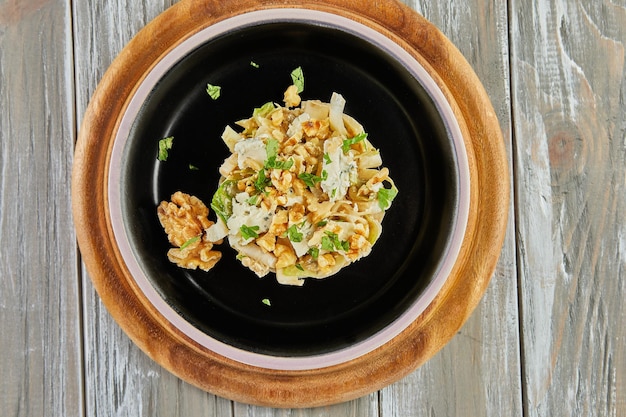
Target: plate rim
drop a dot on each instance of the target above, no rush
(226, 377)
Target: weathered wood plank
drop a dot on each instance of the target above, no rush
(120, 379)
(40, 364)
(569, 94)
(363, 407)
(478, 372)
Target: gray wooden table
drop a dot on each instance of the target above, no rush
(549, 337)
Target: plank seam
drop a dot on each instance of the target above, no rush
(516, 225)
(79, 264)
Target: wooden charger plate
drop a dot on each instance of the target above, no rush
(292, 386)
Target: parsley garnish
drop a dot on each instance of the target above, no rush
(253, 200)
(331, 242)
(262, 181)
(349, 142)
(327, 244)
(274, 164)
(314, 252)
(294, 234)
(310, 179)
(164, 146)
(271, 150)
(249, 232)
(297, 76)
(267, 302)
(190, 242)
(300, 267)
(213, 91)
(327, 159)
(254, 64)
(322, 223)
(193, 168)
(386, 196)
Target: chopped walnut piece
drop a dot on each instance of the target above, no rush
(185, 219)
(292, 99)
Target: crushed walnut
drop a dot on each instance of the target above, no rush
(185, 220)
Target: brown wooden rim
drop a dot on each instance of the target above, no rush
(489, 201)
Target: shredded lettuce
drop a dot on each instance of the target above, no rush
(164, 146)
(264, 110)
(222, 202)
(214, 91)
(386, 196)
(297, 76)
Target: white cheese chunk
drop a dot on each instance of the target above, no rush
(337, 175)
(250, 148)
(249, 215)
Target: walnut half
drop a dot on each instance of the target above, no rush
(185, 219)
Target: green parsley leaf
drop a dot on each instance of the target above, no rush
(213, 91)
(309, 179)
(331, 242)
(272, 163)
(327, 244)
(249, 232)
(294, 234)
(262, 181)
(254, 64)
(164, 146)
(314, 252)
(267, 302)
(253, 200)
(271, 150)
(297, 76)
(300, 267)
(349, 142)
(386, 196)
(193, 168)
(327, 159)
(190, 242)
(322, 223)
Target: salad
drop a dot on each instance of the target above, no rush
(302, 194)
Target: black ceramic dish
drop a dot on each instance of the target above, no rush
(402, 120)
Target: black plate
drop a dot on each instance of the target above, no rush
(401, 119)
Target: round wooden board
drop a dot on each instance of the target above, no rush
(489, 201)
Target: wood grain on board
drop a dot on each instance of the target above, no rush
(479, 370)
(40, 342)
(568, 100)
